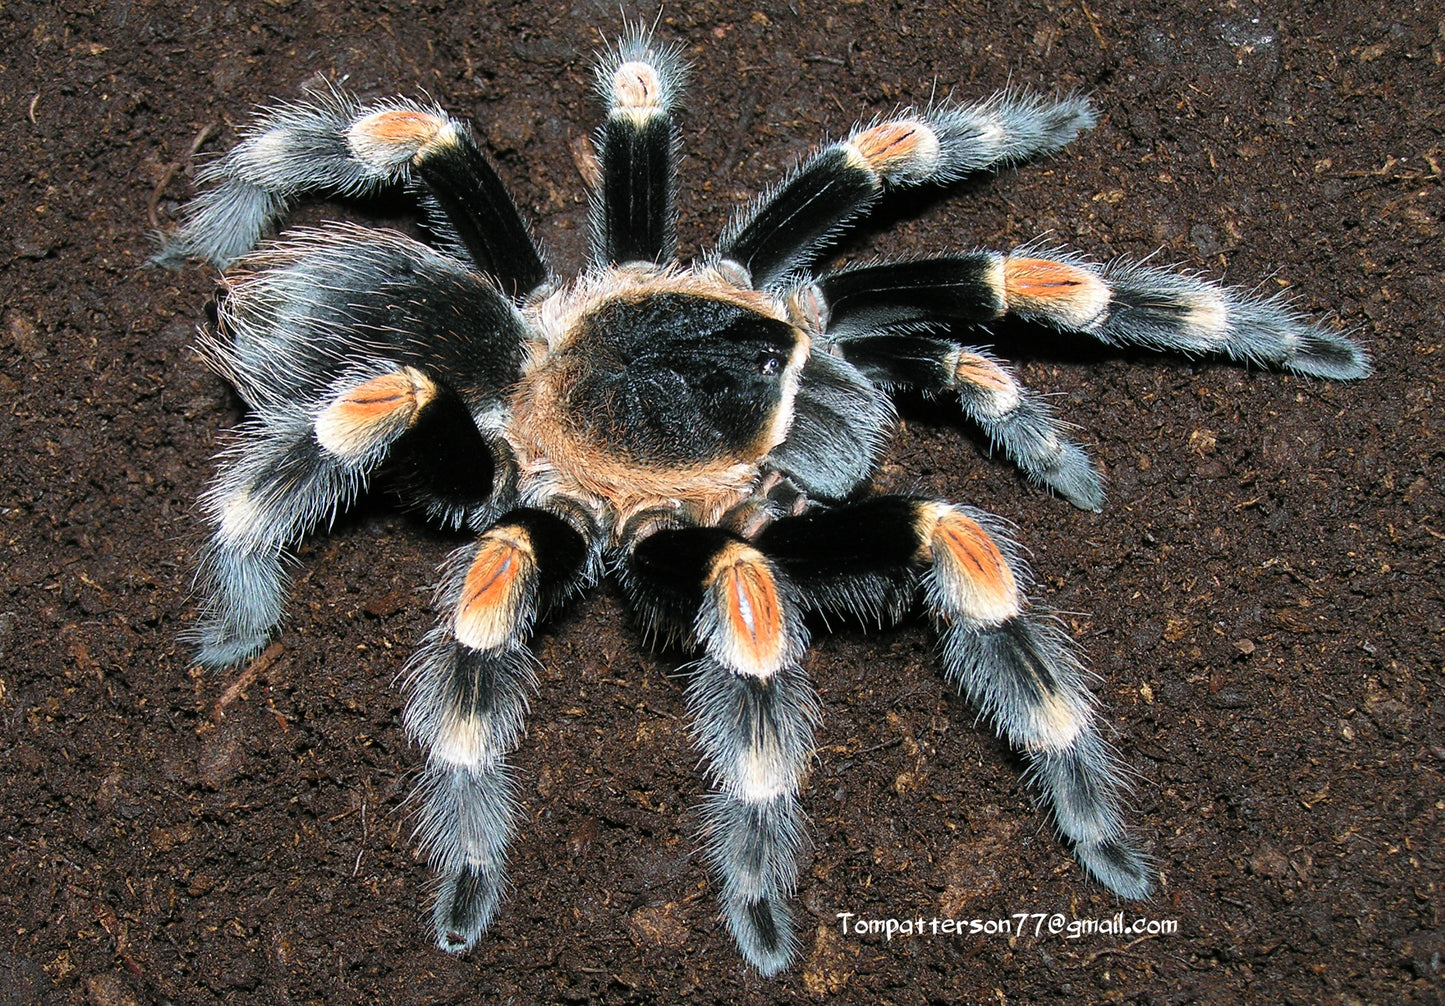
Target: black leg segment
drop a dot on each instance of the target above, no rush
(786, 230)
(636, 198)
(482, 217)
(633, 209)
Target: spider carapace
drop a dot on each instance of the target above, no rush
(656, 389)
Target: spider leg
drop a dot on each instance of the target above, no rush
(753, 709)
(333, 145)
(841, 423)
(298, 313)
(785, 231)
(467, 697)
(867, 560)
(633, 215)
(346, 347)
(289, 469)
(1125, 304)
(894, 322)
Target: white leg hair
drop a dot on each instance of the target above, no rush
(291, 150)
(754, 722)
(1009, 127)
(467, 698)
(757, 734)
(466, 707)
(1126, 304)
(275, 483)
(1019, 422)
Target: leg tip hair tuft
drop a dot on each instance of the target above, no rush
(1073, 476)
(1119, 866)
(1270, 332)
(763, 931)
(242, 603)
(1011, 126)
(215, 650)
(466, 902)
(1319, 352)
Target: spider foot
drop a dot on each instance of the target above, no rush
(763, 931)
(466, 820)
(1119, 866)
(466, 901)
(216, 648)
(242, 602)
(1028, 434)
(1083, 782)
(754, 846)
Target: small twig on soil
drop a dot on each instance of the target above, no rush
(201, 136)
(1094, 24)
(248, 677)
(1115, 951)
(878, 747)
(356, 867)
(155, 198)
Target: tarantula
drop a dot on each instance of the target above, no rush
(705, 432)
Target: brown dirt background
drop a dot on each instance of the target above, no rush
(1262, 597)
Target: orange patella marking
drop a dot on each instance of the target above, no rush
(898, 150)
(1067, 294)
(372, 413)
(402, 127)
(982, 372)
(754, 615)
(969, 552)
(1043, 279)
(492, 593)
(379, 398)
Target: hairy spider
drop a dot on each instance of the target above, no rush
(705, 432)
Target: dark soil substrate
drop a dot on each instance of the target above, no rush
(1261, 598)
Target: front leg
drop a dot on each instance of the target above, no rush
(333, 145)
(632, 218)
(753, 711)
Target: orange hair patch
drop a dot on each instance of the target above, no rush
(372, 414)
(389, 139)
(636, 87)
(494, 590)
(752, 614)
(982, 372)
(974, 575)
(401, 127)
(1060, 292)
(899, 149)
